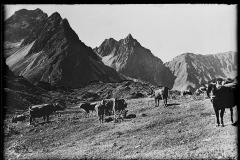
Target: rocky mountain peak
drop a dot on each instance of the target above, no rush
(52, 52)
(24, 13)
(129, 37)
(129, 58)
(20, 24)
(109, 41)
(55, 16)
(130, 40)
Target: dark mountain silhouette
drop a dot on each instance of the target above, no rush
(53, 53)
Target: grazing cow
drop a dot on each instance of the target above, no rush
(160, 94)
(187, 92)
(200, 90)
(108, 106)
(223, 96)
(43, 110)
(100, 109)
(17, 118)
(119, 108)
(88, 107)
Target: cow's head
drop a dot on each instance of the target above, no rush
(103, 102)
(58, 107)
(14, 120)
(211, 89)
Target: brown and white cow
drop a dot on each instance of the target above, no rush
(17, 118)
(109, 106)
(161, 93)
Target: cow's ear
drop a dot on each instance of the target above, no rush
(204, 85)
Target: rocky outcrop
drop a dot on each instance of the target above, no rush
(53, 53)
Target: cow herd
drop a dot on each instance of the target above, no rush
(222, 95)
(114, 106)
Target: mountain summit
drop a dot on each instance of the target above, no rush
(131, 59)
(19, 25)
(52, 52)
(192, 70)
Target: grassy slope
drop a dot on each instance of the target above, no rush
(185, 129)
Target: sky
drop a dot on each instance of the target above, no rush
(167, 30)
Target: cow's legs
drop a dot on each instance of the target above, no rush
(155, 102)
(102, 118)
(31, 119)
(165, 102)
(221, 114)
(115, 117)
(47, 118)
(217, 116)
(231, 110)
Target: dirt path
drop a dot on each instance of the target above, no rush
(185, 129)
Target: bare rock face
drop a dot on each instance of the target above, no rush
(19, 25)
(53, 53)
(191, 70)
(129, 58)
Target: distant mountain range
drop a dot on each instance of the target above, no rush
(46, 49)
(185, 72)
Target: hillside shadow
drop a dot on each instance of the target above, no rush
(173, 104)
(236, 124)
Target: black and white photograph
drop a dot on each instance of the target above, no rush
(119, 81)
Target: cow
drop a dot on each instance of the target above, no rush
(200, 90)
(100, 109)
(222, 96)
(111, 106)
(160, 94)
(88, 107)
(119, 108)
(17, 118)
(43, 110)
(187, 92)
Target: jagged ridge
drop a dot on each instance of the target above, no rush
(191, 70)
(131, 59)
(53, 53)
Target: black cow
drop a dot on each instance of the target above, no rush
(88, 107)
(223, 96)
(119, 109)
(187, 92)
(43, 110)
